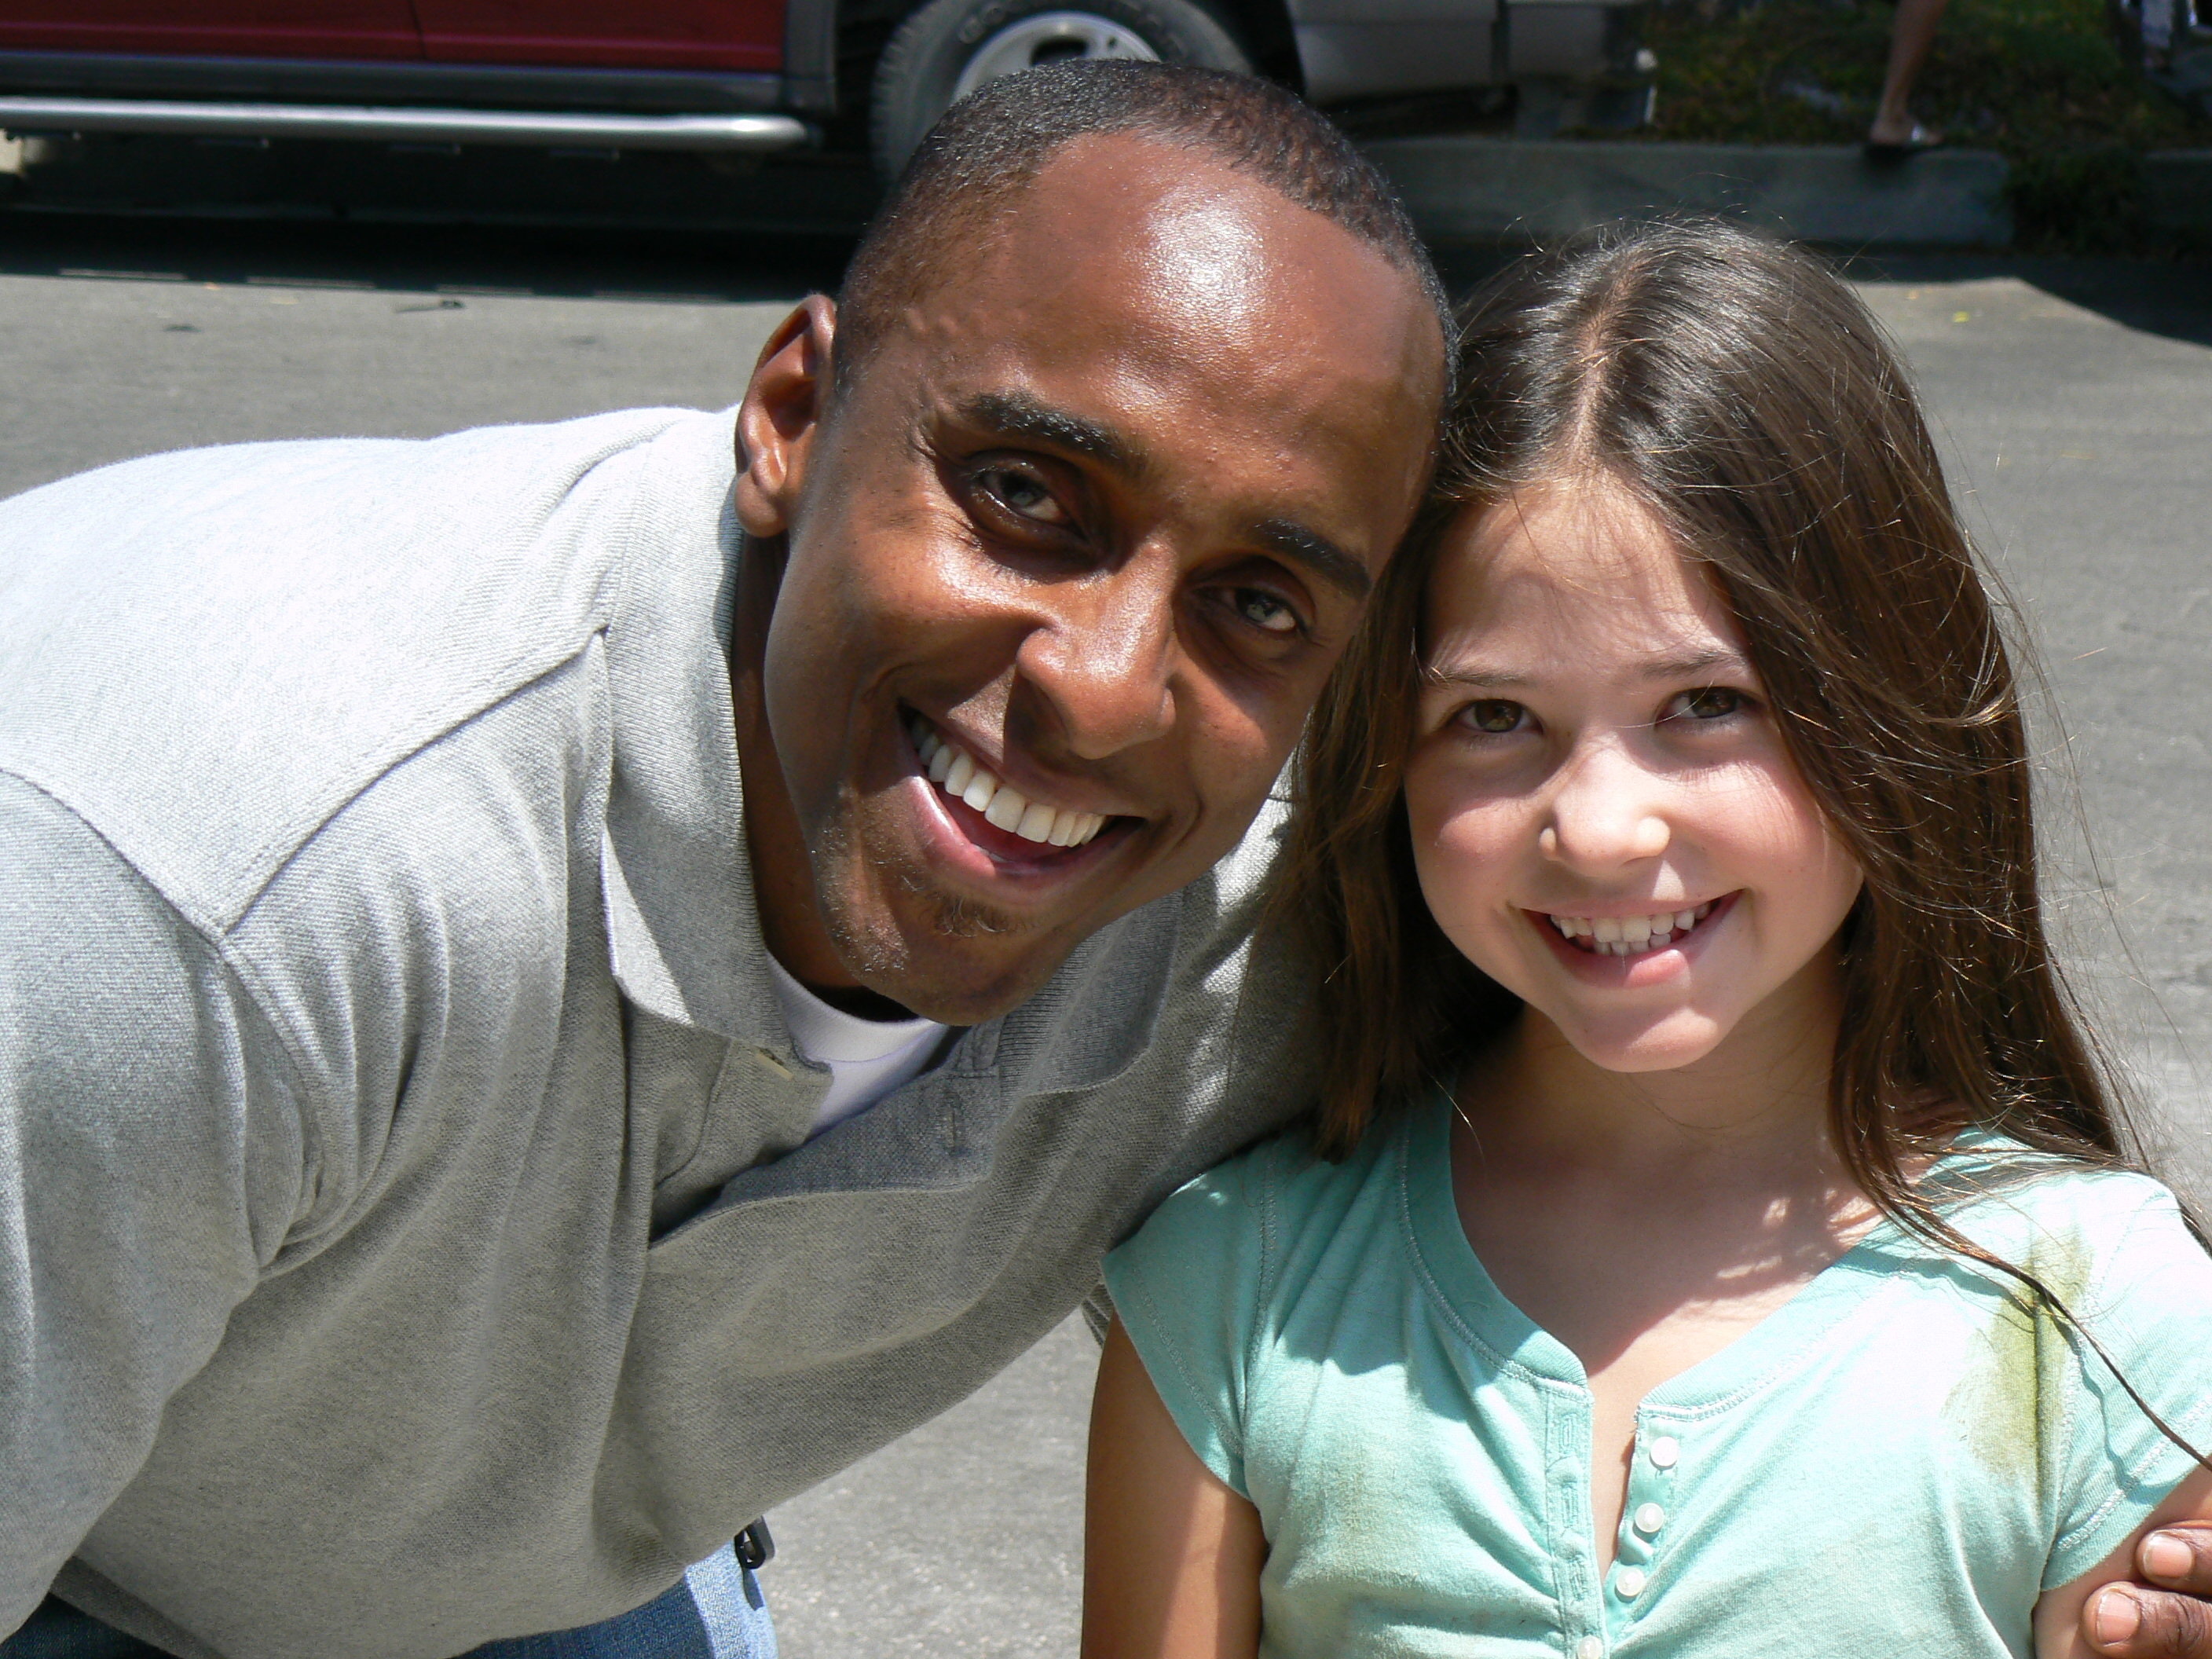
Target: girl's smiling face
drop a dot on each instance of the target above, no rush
(1604, 819)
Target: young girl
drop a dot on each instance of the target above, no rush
(1713, 1240)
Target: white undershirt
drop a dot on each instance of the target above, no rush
(867, 1058)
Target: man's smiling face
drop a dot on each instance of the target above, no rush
(1065, 566)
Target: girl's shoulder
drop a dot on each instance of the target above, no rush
(2112, 1243)
(1230, 1257)
(1282, 1188)
(1994, 1189)
(2105, 1260)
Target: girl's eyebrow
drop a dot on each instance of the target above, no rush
(1687, 663)
(1683, 665)
(1484, 680)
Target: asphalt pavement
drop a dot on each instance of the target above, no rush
(2074, 401)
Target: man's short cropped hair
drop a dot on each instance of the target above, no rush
(988, 148)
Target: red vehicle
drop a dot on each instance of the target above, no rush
(728, 74)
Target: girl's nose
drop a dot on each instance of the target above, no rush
(1606, 812)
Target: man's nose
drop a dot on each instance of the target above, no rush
(1607, 812)
(1103, 659)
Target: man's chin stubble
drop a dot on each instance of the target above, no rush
(873, 952)
(958, 918)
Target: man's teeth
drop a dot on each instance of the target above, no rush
(952, 769)
(1630, 936)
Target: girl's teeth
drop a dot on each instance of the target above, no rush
(952, 771)
(1629, 936)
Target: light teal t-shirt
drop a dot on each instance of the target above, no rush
(1898, 1462)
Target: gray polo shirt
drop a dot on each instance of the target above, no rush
(409, 1232)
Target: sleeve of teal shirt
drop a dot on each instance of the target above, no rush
(2148, 1302)
(1187, 1288)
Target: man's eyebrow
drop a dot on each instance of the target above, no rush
(1317, 553)
(1017, 415)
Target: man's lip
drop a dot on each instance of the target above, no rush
(1069, 793)
(996, 862)
(1011, 851)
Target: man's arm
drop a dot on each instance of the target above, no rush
(147, 1169)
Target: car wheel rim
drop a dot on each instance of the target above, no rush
(1049, 37)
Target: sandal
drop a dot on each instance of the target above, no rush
(1889, 154)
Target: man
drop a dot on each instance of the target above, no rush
(558, 992)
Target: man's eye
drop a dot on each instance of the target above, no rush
(1707, 703)
(1023, 493)
(1264, 610)
(1494, 715)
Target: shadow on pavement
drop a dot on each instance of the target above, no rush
(567, 263)
(762, 259)
(670, 260)
(2154, 296)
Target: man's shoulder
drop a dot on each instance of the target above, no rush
(1221, 913)
(1190, 1013)
(1207, 932)
(207, 654)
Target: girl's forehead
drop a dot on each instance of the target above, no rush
(1580, 561)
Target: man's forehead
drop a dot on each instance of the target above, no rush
(1124, 225)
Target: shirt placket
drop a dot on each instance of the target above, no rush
(1574, 1553)
(1656, 1466)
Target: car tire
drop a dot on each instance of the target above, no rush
(949, 46)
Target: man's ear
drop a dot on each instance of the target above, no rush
(781, 415)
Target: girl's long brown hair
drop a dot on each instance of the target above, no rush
(1742, 393)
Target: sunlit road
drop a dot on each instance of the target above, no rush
(2081, 435)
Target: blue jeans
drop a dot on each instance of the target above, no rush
(716, 1612)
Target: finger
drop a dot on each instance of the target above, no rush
(2129, 1622)
(2178, 1556)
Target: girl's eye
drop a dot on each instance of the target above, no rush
(1023, 493)
(1263, 610)
(1707, 703)
(1494, 716)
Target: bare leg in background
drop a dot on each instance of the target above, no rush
(1911, 37)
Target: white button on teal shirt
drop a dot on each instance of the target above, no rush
(1898, 1462)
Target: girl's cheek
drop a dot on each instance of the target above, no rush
(1768, 814)
(1463, 859)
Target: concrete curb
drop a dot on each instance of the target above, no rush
(1491, 189)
